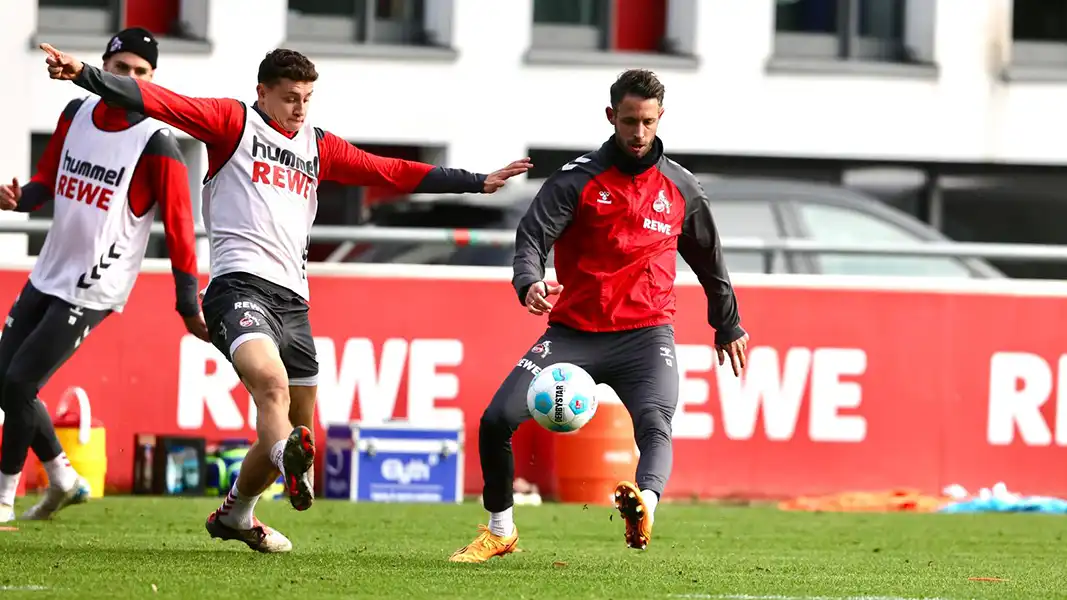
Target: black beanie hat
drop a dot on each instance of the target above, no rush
(135, 40)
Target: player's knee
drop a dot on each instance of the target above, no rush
(3, 383)
(17, 392)
(269, 389)
(262, 371)
(496, 422)
(652, 424)
(268, 385)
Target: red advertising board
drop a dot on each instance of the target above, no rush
(847, 387)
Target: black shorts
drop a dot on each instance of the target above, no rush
(239, 307)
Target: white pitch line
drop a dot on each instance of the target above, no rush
(776, 597)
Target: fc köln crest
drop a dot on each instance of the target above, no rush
(542, 349)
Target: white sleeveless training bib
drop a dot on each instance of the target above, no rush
(259, 207)
(94, 249)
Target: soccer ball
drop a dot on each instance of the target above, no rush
(562, 398)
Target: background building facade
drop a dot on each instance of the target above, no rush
(476, 83)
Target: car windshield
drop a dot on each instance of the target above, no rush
(840, 225)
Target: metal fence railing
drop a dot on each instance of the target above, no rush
(502, 238)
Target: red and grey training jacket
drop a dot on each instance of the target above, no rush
(617, 224)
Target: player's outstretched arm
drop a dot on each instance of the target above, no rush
(346, 164)
(214, 121)
(38, 191)
(552, 210)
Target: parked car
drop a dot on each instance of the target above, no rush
(768, 209)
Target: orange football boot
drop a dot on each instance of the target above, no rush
(634, 511)
(486, 546)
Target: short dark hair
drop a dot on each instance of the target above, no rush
(636, 82)
(286, 64)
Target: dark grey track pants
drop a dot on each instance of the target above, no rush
(41, 332)
(639, 364)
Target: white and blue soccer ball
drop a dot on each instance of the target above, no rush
(562, 397)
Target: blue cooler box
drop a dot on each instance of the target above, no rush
(393, 462)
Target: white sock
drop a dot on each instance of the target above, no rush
(236, 510)
(502, 523)
(60, 474)
(651, 500)
(8, 483)
(277, 451)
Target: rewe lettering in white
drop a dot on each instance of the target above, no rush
(529, 365)
(1020, 384)
(206, 382)
(775, 389)
(659, 226)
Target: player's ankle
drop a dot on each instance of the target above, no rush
(61, 475)
(235, 521)
(504, 531)
(277, 455)
(651, 500)
(237, 509)
(502, 524)
(8, 485)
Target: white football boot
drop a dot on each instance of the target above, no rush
(259, 537)
(56, 499)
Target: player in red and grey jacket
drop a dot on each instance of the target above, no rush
(618, 217)
(108, 171)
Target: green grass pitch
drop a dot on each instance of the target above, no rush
(136, 547)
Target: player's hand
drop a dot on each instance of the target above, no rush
(60, 64)
(496, 179)
(196, 325)
(537, 297)
(9, 195)
(736, 351)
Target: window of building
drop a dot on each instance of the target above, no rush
(837, 225)
(78, 17)
(571, 24)
(161, 17)
(38, 143)
(352, 205)
(866, 30)
(598, 25)
(391, 22)
(1039, 33)
(80, 24)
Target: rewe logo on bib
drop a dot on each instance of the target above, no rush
(87, 182)
(282, 168)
